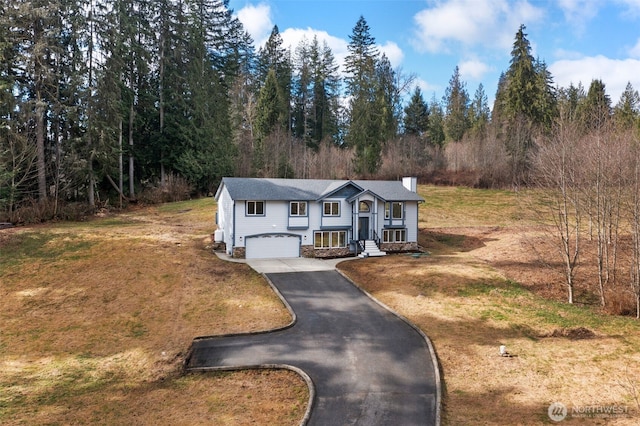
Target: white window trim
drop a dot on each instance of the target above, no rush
(331, 214)
(388, 210)
(299, 203)
(255, 205)
(330, 235)
(390, 235)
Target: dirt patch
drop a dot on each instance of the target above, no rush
(577, 333)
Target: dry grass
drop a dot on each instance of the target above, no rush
(464, 297)
(97, 318)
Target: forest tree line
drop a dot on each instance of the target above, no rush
(103, 101)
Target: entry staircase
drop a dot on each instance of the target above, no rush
(371, 249)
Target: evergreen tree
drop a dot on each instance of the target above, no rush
(302, 91)
(522, 80)
(83, 84)
(498, 112)
(230, 46)
(36, 30)
(479, 113)
(595, 109)
(326, 94)
(526, 105)
(316, 93)
(364, 131)
(387, 98)
(207, 155)
(526, 92)
(79, 117)
(270, 110)
(627, 110)
(416, 115)
(436, 124)
(17, 153)
(546, 106)
(133, 43)
(456, 101)
(569, 100)
(361, 60)
(273, 56)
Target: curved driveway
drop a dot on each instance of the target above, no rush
(367, 366)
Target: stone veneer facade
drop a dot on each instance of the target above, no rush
(239, 253)
(399, 247)
(310, 251)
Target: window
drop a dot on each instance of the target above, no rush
(298, 208)
(364, 207)
(330, 239)
(331, 208)
(393, 210)
(255, 208)
(394, 236)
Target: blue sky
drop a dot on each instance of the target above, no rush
(578, 39)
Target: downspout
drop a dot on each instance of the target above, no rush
(418, 222)
(404, 213)
(354, 226)
(374, 220)
(234, 227)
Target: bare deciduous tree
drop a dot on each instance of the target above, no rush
(559, 178)
(604, 158)
(634, 219)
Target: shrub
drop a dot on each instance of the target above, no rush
(175, 188)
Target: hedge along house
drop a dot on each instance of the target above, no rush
(279, 218)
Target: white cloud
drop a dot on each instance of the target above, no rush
(578, 13)
(614, 73)
(394, 53)
(635, 50)
(291, 37)
(491, 23)
(256, 20)
(633, 8)
(428, 90)
(567, 54)
(473, 69)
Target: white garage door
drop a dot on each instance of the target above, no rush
(272, 246)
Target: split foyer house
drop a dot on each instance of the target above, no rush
(277, 218)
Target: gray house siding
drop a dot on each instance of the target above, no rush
(255, 215)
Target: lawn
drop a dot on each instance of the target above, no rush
(97, 318)
(482, 286)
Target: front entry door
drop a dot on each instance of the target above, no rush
(363, 228)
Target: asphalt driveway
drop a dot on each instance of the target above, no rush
(366, 366)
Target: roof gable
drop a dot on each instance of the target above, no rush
(343, 189)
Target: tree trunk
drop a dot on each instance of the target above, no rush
(120, 162)
(92, 183)
(42, 177)
(132, 193)
(92, 179)
(161, 107)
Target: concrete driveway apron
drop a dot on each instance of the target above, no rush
(368, 367)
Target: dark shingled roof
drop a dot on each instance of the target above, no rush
(309, 189)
